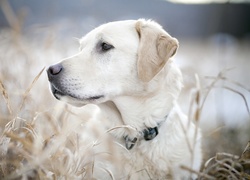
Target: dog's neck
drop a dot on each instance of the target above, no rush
(147, 109)
(143, 112)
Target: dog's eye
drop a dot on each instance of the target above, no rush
(106, 46)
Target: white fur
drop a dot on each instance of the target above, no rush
(132, 103)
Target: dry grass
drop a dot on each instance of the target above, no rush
(40, 138)
(228, 166)
(222, 165)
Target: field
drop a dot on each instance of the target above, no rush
(39, 135)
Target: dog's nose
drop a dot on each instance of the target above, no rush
(54, 70)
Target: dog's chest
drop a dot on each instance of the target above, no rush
(145, 163)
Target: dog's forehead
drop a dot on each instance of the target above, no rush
(117, 26)
(113, 30)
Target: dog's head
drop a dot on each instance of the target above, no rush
(118, 58)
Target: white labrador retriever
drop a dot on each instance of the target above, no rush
(125, 68)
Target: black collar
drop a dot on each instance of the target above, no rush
(147, 134)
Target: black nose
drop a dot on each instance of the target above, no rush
(54, 70)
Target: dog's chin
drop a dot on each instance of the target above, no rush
(75, 100)
(72, 101)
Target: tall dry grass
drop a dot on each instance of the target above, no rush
(40, 138)
(223, 165)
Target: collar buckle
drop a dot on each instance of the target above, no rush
(150, 133)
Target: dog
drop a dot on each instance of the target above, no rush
(126, 69)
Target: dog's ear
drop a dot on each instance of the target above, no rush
(155, 48)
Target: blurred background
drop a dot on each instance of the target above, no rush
(214, 37)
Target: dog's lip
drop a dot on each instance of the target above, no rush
(56, 92)
(94, 97)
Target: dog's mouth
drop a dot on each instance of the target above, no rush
(59, 93)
